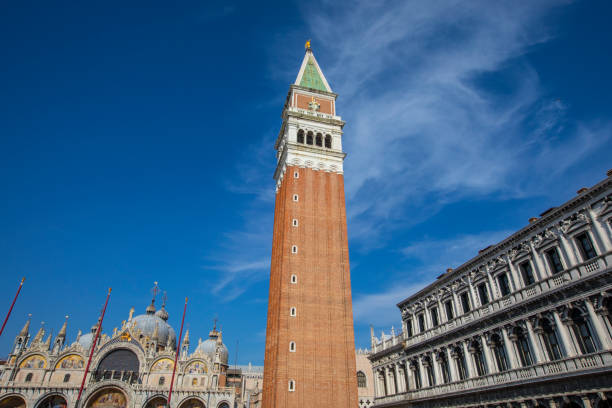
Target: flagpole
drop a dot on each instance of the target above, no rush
(12, 304)
(93, 346)
(178, 350)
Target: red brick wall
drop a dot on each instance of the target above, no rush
(324, 364)
(304, 100)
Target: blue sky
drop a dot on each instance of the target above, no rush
(137, 146)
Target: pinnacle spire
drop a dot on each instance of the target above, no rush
(62, 332)
(310, 75)
(26, 327)
(39, 335)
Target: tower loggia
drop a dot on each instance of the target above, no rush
(310, 350)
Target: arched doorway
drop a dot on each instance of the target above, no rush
(192, 403)
(53, 401)
(120, 364)
(223, 405)
(108, 398)
(14, 401)
(156, 402)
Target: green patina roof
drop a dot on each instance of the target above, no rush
(311, 78)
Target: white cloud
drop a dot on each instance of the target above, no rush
(380, 307)
(441, 104)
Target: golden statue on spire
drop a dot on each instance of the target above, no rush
(307, 45)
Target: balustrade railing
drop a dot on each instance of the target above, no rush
(540, 371)
(565, 277)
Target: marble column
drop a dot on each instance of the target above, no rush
(491, 368)
(569, 248)
(509, 349)
(535, 344)
(468, 360)
(452, 367)
(602, 333)
(541, 272)
(565, 337)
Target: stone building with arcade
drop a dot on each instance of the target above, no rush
(526, 323)
(131, 368)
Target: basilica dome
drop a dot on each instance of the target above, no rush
(209, 348)
(86, 339)
(214, 343)
(154, 324)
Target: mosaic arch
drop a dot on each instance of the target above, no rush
(156, 402)
(165, 364)
(13, 401)
(192, 403)
(53, 401)
(108, 398)
(35, 361)
(72, 361)
(196, 367)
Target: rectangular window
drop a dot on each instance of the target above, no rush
(527, 273)
(586, 246)
(504, 285)
(554, 260)
(430, 376)
(482, 293)
(465, 302)
(434, 316)
(448, 305)
(421, 323)
(409, 327)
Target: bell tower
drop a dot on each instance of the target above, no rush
(310, 347)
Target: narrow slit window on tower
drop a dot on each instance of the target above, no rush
(295, 197)
(328, 141)
(309, 137)
(295, 222)
(319, 140)
(294, 249)
(292, 346)
(291, 385)
(293, 312)
(300, 136)
(296, 174)
(293, 279)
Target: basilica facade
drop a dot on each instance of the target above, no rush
(132, 368)
(525, 323)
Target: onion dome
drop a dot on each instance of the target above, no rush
(162, 314)
(152, 325)
(151, 308)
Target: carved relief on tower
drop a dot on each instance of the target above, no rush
(318, 104)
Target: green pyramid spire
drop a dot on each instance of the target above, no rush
(311, 78)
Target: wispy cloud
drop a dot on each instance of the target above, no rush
(380, 307)
(441, 104)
